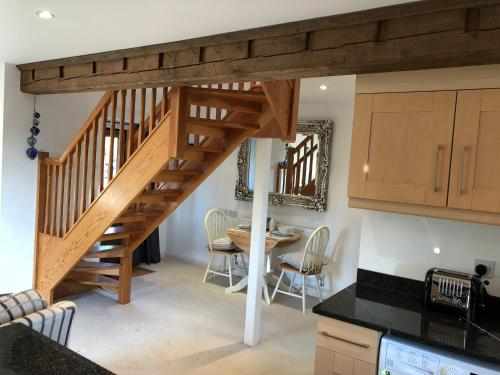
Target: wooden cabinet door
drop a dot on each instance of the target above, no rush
(401, 147)
(343, 365)
(475, 167)
(323, 364)
(363, 368)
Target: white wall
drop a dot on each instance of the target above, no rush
(404, 245)
(17, 208)
(2, 89)
(186, 237)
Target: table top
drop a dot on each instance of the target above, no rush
(241, 238)
(25, 351)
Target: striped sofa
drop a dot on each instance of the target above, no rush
(30, 309)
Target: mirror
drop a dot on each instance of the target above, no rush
(300, 169)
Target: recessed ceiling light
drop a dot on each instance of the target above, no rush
(437, 250)
(45, 14)
(323, 87)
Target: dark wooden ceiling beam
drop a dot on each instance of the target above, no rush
(418, 35)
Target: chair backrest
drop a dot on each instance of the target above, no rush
(312, 259)
(216, 225)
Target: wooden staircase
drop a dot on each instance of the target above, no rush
(137, 157)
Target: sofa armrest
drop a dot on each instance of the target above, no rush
(54, 322)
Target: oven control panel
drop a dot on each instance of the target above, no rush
(403, 357)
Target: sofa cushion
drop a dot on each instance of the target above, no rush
(20, 304)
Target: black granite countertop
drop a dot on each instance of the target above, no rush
(394, 306)
(25, 351)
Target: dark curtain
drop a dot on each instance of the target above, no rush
(149, 251)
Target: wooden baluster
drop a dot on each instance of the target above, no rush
(68, 191)
(112, 136)
(131, 126)
(297, 175)
(121, 132)
(304, 168)
(83, 203)
(95, 130)
(217, 109)
(311, 154)
(101, 151)
(62, 175)
(164, 106)
(47, 201)
(69, 176)
(289, 170)
(152, 110)
(76, 183)
(53, 201)
(142, 115)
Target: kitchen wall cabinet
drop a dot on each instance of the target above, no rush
(475, 169)
(345, 349)
(401, 147)
(428, 153)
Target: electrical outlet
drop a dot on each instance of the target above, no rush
(490, 265)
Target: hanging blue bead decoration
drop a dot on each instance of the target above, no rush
(32, 152)
(35, 131)
(31, 141)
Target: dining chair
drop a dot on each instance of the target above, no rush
(216, 226)
(308, 262)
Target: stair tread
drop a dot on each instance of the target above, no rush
(97, 248)
(204, 149)
(258, 96)
(182, 172)
(93, 279)
(106, 251)
(115, 233)
(222, 123)
(169, 192)
(85, 265)
(130, 217)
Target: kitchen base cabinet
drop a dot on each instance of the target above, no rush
(345, 349)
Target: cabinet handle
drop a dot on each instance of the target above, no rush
(435, 186)
(360, 344)
(461, 173)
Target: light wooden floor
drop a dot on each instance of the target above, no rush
(176, 325)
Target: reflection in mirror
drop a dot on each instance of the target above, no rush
(299, 169)
(293, 165)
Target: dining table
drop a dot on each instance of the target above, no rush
(241, 238)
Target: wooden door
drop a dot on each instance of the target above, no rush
(401, 147)
(475, 168)
(323, 364)
(363, 368)
(343, 365)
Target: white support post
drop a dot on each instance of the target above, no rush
(257, 242)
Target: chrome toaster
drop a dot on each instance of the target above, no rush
(452, 291)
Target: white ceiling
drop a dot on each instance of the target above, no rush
(338, 88)
(87, 26)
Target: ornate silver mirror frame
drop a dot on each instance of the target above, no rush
(318, 202)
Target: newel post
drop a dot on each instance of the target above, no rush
(41, 191)
(178, 116)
